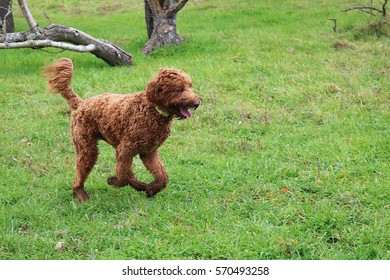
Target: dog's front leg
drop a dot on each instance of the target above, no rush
(155, 166)
(124, 160)
(124, 171)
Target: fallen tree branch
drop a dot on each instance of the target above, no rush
(334, 23)
(58, 34)
(27, 14)
(65, 38)
(47, 43)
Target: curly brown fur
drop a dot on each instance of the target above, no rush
(134, 124)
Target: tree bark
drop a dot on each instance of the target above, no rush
(63, 37)
(60, 33)
(148, 19)
(6, 17)
(160, 17)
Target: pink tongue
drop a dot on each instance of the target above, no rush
(185, 112)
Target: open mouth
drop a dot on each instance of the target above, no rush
(185, 111)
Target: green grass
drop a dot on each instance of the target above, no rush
(287, 158)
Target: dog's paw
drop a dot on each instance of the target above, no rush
(81, 194)
(152, 191)
(115, 182)
(137, 185)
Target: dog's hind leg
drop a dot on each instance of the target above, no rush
(155, 166)
(86, 157)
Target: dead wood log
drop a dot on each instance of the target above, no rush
(65, 38)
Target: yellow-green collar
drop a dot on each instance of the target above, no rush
(161, 112)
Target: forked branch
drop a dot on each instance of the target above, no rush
(155, 7)
(180, 5)
(62, 37)
(27, 14)
(370, 9)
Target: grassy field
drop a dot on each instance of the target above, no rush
(287, 158)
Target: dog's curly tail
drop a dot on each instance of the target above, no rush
(59, 78)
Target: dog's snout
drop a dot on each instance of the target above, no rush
(196, 104)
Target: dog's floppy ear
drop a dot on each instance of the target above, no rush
(152, 90)
(166, 85)
(157, 85)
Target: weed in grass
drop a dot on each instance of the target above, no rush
(377, 28)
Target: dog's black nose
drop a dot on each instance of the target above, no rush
(196, 104)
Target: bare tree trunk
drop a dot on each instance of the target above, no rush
(63, 37)
(6, 17)
(160, 17)
(148, 19)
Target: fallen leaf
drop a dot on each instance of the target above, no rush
(285, 190)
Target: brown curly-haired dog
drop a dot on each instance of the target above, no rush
(134, 124)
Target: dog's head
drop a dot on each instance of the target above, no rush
(172, 94)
